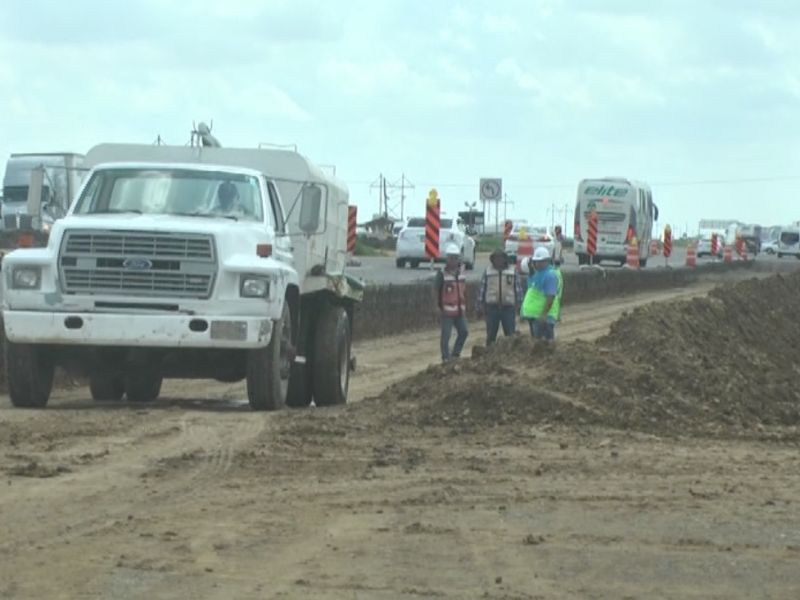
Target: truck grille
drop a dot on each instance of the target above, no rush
(133, 263)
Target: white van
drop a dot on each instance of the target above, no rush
(789, 242)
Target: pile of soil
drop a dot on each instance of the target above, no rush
(725, 365)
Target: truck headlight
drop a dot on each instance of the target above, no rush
(26, 278)
(254, 287)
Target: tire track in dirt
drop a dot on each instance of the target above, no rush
(105, 501)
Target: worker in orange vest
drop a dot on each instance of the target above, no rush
(451, 300)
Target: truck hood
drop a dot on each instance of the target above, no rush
(154, 223)
(233, 237)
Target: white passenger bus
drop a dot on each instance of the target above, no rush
(624, 209)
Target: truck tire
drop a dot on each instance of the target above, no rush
(300, 392)
(331, 367)
(142, 387)
(29, 375)
(106, 387)
(269, 369)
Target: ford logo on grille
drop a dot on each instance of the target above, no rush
(137, 264)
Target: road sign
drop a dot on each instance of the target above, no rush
(491, 190)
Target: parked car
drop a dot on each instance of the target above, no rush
(770, 247)
(704, 246)
(411, 242)
(541, 235)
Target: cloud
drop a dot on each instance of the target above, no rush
(543, 92)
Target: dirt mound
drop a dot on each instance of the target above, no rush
(723, 365)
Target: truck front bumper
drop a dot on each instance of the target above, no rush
(165, 331)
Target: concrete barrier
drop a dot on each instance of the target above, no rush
(392, 309)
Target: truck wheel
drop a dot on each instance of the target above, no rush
(268, 369)
(331, 370)
(400, 263)
(142, 388)
(106, 387)
(29, 375)
(643, 262)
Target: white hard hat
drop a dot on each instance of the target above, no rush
(452, 250)
(541, 253)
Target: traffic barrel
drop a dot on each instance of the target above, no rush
(691, 255)
(632, 258)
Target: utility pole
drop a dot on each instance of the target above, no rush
(386, 192)
(380, 183)
(403, 184)
(506, 202)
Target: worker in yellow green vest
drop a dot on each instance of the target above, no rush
(542, 303)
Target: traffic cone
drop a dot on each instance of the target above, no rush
(653, 247)
(691, 256)
(632, 260)
(727, 255)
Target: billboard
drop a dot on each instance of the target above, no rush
(715, 223)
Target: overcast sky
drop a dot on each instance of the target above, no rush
(700, 98)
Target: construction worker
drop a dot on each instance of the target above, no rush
(542, 303)
(451, 299)
(559, 246)
(499, 296)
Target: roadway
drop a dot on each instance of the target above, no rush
(382, 270)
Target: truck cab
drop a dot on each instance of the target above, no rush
(188, 262)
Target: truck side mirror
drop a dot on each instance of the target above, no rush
(310, 208)
(36, 191)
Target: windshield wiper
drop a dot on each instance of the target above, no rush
(108, 211)
(204, 215)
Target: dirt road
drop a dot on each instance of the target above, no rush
(206, 499)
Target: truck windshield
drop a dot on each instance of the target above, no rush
(172, 191)
(15, 194)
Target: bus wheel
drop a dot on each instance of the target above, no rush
(643, 263)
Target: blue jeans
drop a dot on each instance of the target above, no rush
(460, 324)
(496, 315)
(543, 331)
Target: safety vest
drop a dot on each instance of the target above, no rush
(500, 287)
(535, 300)
(453, 293)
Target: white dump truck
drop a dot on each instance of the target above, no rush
(190, 261)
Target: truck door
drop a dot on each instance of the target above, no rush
(282, 245)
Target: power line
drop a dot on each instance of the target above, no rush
(545, 186)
